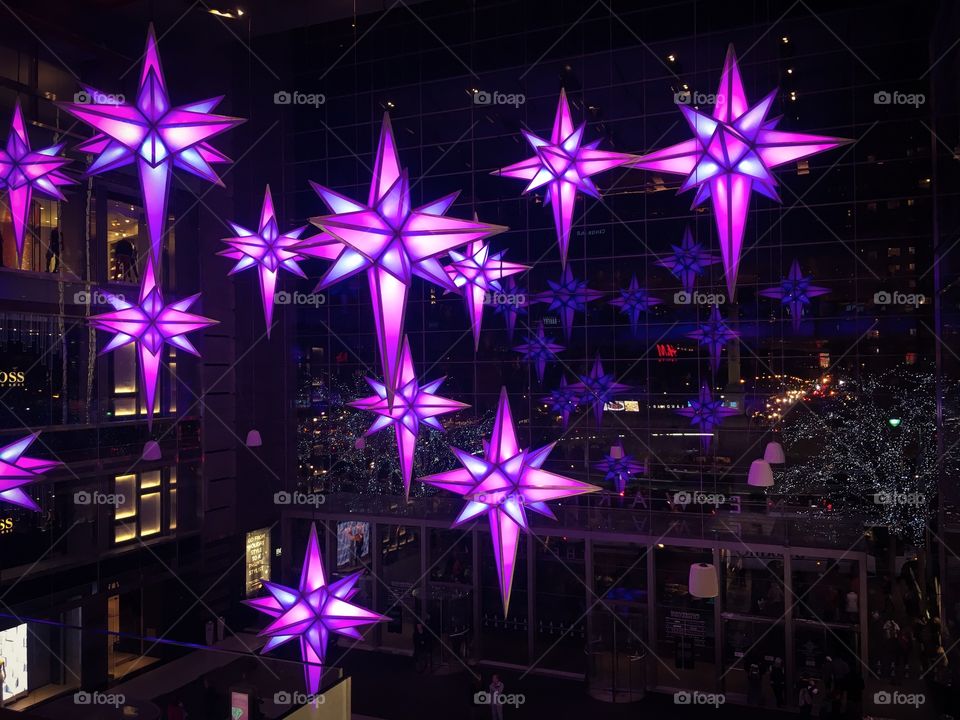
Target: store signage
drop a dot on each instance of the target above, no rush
(258, 560)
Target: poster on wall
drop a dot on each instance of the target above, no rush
(258, 560)
(13, 653)
(353, 542)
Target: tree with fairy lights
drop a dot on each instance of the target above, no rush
(869, 448)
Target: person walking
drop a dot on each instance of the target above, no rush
(778, 680)
(496, 698)
(53, 251)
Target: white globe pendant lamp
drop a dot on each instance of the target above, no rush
(703, 582)
(151, 450)
(254, 439)
(761, 474)
(773, 453)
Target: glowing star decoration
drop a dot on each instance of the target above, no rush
(512, 310)
(714, 334)
(477, 272)
(23, 171)
(706, 413)
(504, 484)
(633, 301)
(149, 324)
(393, 242)
(311, 611)
(269, 250)
(563, 401)
(598, 388)
(414, 404)
(568, 296)
(154, 135)
(795, 292)
(16, 470)
(618, 467)
(564, 166)
(539, 350)
(731, 154)
(688, 261)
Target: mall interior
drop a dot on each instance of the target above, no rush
(405, 359)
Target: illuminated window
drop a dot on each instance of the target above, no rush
(139, 508)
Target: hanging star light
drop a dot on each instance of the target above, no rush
(477, 273)
(269, 250)
(688, 261)
(311, 611)
(714, 334)
(731, 154)
(706, 413)
(568, 295)
(414, 404)
(633, 301)
(393, 242)
(539, 350)
(618, 467)
(564, 166)
(512, 310)
(795, 292)
(17, 470)
(23, 171)
(149, 324)
(598, 388)
(504, 484)
(155, 135)
(563, 401)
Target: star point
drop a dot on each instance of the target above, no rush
(18, 470)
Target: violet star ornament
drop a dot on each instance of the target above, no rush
(714, 334)
(149, 323)
(512, 310)
(598, 388)
(706, 413)
(269, 250)
(563, 401)
(564, 166)
(688, 261)
(18, 470)
(633, 301)
(732, 153)
(795, 292)
(393, 242)
(539, 350)
(618, 467)
(155, 135)
(311, 611)
(23, 171)
(477, 273)
(413, 405)
(503, 484)
(568, 296)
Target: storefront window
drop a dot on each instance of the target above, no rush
(560, 631)
(752, 583)
(401, 599)
(504, 638)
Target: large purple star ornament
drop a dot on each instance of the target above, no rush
(269, 250)
(598, 388)
(539, 350)
(795, 292)
(393, 241)
(23, 171)
(17, 470)
(563, 401)
(688, 261)
(732, 153)
(618, 467)
(714, 334)
(477, 273)
(149, 324)
(413, 405)
(567, 296)
(512, 310)
(503, 484)
(564, 166)
(633, 301)
(311, 611)
(155, 135)
(705, 413)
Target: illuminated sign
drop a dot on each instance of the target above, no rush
(12, 378)
(666, 350)
(240, 701)
(258, 560)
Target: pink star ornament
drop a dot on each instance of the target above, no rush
(733, 152)
(18, 470)
(503, 484)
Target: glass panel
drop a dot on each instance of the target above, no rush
(125, 369)
(124, 243)
(172, 522)
(126, 488)
(752, 583)
(400, 558)
(150, 514)
(149, 479)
